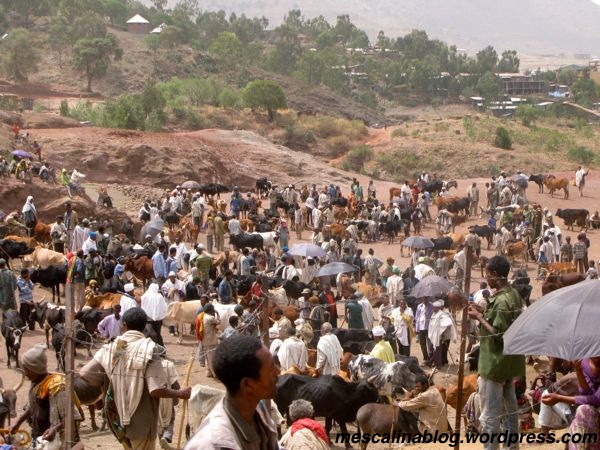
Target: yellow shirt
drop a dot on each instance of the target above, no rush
(383, 351)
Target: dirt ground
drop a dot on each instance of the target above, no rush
(181, 353)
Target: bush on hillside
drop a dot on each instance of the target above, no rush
(503, 139)
(581, 154)
(527, 114)
(357, 157)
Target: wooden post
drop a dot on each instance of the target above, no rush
(265, 335)
(463, 343)
(186, 382)
(69, 368)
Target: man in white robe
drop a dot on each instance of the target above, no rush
(422, 270)
(394, 286)
(127, 301)
(368, 314)
(441, 331)
(329, 351)
(403, 318)
(292, 352)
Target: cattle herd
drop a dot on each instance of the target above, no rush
(517, 228)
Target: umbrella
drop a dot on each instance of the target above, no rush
(152, 228)
(335, 268)
(417, 242)
(563, 324)
(307, 250)
(431, 286)
(521, 181)
(22, 154)
(190, 185)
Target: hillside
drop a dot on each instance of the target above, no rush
(530, 26)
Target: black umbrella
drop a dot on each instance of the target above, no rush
(431, 286)
(335, 268)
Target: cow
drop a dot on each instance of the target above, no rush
(47, 316)
(353, 340)
(211, 189)
(556, 184)
(456, 220)
(103, 301)
(331, 396)
(539, 180)
(377, 418)
(43, 258)
(90, 395)
(52, 278)
(181, 313)
(484, 232)
(388, 378)
(270, 238)
(10, 249)
(391, 229)
(574, 216)
(142, 269)
(250, 240)
(263, 186)
(557, 268)
(395, 192)
(12, 328)
(513, 250)
(443, 243)
(462, 204)
(450, 394)
(41, 232)
(555, 281)
(443, 202)
(8, 402)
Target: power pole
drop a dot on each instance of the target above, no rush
(463, 342)
(69, 368)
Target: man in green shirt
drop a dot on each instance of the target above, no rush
(8, 286)
(496, 370)
(354, 313)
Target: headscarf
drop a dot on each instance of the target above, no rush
(29, 206)
(154, 304)
(35, 359)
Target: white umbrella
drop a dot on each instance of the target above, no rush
(335, 268)
(307, 250)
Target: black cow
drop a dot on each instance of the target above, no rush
(12, 329)
(47, 316)
(8, 402)
(244, 284)
(434, 186)
(263, 186)
(462, 204)
(340, 201)
(58, 339)
(353, 340)
(13, 250)
(390, 228)
(574, 216)
(331, 397)
(388, 378)
(52, 278)
(484, 232)
(293, 289)
(444, 243)
(539, 180)
(412, 363)
(213, 189)
(242, 240)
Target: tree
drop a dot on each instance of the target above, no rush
(284, 56)
(170, 37)
(159, 4)
(503, 139)
(264, 94)
(584, 92)
(152, 100)
(153, 43)
(18, 56)
(383, 42)
(87, 26)
(567, 76)
(58, 39)
(509, 63)
(116, 10)
(490, 87)
(228, 48)
(93, 56)
(487, 60)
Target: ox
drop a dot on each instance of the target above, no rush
(44, 258)
(51, 277)
(250, 240)
(142, 268)
(377, 418)
(462, 204)
(484, 232)
(513, 250)
(263, 186)
(89, 395)
(556, 184)
(555, 281)
(539, 180)
(574, 216)
(180, 313)
(10, 249)
(8, 402)
(331, 397)
(12, 329)
(47, 316)
(451, 393)
(388, 378)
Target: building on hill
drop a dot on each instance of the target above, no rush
(137, 24)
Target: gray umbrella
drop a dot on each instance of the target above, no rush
(152, 228)
(431, 286)
(307, 250)
(563, 324)
(190, 185)
(335, 268)
(417, 242)
(521, 181)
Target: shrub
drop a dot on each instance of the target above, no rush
(399, 132)
(503, 139)
(469, 126)
(581, 154)
(357, 157)
(527, 114)
(298, 137)
(64, 108)
(338, 145)
(228, 98)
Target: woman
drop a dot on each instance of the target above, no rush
(587, 416)
(155, 307)
(29, 214)
(305, 432)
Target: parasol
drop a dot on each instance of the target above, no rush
(417, 242)
(431, 286)
(307, 250)
(335, 268)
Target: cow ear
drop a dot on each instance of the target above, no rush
(11, 329)
(24, 328)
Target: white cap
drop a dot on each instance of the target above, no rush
(378, 331)
(172, 274)
(298, 322)
(306, 291)
(438, 304)
(200, 246)
(129, 287)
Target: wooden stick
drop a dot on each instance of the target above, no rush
(188, 372)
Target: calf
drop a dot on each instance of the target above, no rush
(89, 395)
(451, 393)
(12, 328)
(539, 180)
(456, 220)
(47, 316)
(8, 402)
(555, 281)
(51, 277)
(377, 418)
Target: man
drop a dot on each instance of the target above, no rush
(159, 265)
(58, 234)
(128, 300)
(219, 233)
(372, 266)
(422, 318)
(241, 420)
(47, 399)
(292, 352)
(281, 322)
(110, 326)
(234, 227)
(173, 289)
(133, 366)
(394, 286)
(8, 286)
(382, 350)
(429, 404)
(180, 251)
(580, 179)
(368, 314)
(76, 277)
(90, 243)
(25, 287)
(70, 219)
(403, 318)
(579, 250)
(197, 215)
(546, 251)
(354, 313)
(441, 331)
(244, 262)
(329, 351)
(566, 250)
(496, 370)
(473, 196)
(203, 263)
(461, 263)
(226, 288)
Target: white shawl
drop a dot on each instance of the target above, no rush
(125, 362)
(368, 315)
(440, 323)
(154, 304)
(293, 351)
(329, 353)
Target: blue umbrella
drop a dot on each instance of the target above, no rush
(335, 268)
(22, 154)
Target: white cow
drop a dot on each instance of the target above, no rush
(268, 238)
(42, 258)
(278, 296)
(182, 313)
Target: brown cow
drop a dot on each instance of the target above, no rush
(104, 301)
(512, 250)
(340, 214)
(30, 242)
(451, 394)
(457, 219)
(295, 370)
(41, 233)
(142, 268)
(456, 301)
(443, 202)
(395, 192)
(290, 311)
(555, 281)
(457, 238)
(337, 229)
(556, 184)
(557, 267)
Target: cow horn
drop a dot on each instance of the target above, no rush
(371, 380)
(18, 386)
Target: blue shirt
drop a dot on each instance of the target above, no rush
(225, 291)
(25, 289)
(159, 265)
